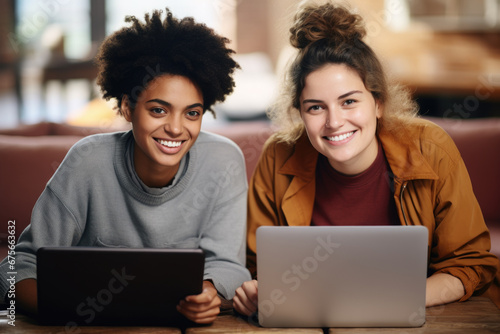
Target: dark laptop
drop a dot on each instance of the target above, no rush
(87, 286)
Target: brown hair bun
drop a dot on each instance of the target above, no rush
(329, 22)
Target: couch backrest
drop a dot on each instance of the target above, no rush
(27, 162)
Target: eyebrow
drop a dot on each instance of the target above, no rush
(168, 104)
(311, 101)
(349, 93)
(339, 98)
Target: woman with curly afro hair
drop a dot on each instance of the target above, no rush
(165, 183)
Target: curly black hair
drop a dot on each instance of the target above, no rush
(133, 56)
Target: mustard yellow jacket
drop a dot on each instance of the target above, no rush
(431, 188)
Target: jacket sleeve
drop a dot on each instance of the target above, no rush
(461, 240)
(262, 209)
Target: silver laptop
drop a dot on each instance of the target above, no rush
(342, 276)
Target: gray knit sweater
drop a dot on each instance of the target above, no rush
(95, 198)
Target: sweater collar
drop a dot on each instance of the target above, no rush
(123, 165)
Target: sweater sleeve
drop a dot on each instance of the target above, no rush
(224, 230)
(51, 224)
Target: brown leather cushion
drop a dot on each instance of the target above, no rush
(56, 129)
(27, 164)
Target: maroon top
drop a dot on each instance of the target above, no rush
(363, 199)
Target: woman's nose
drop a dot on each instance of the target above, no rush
(173, 125)
(334, 119)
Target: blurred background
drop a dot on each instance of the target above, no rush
(446, 51)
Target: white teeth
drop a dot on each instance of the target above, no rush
(341, 137)
(170, 143)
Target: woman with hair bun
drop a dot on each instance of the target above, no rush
(165, 183)
(351, 151)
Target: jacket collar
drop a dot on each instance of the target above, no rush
(403, 151)
(302, 162)
(298, 200)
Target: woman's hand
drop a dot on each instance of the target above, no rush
(245, 299)
(442, 289)
(202, 308)
(26, 296)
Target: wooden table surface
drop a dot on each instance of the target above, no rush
(27, 325)
(476, 316)
(232, 324)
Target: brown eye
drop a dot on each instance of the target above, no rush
(349, 102)
(314, 108)
(194, 114)
(157, 111)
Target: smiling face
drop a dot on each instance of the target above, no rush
(340, 117)
(166, 122)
